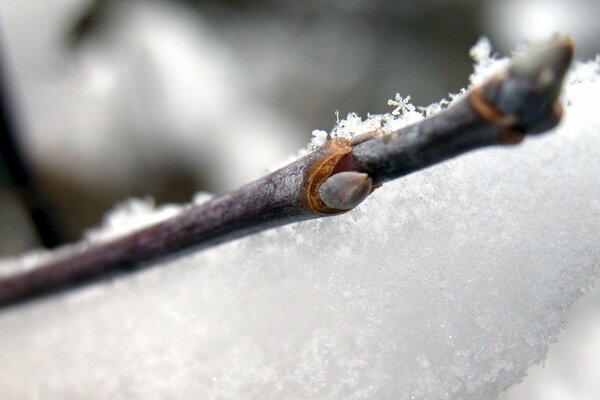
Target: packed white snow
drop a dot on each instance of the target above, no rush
(446, 284)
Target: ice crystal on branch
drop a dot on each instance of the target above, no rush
(402, 105)
(486, 63)
(319, 138)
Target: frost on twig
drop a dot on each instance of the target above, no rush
(446, 284)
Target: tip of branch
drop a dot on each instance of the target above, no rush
(545, 66)
(544, 61)
(532, 85)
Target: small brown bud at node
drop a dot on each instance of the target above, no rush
(345, 190)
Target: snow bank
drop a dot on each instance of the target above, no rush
(446, 284)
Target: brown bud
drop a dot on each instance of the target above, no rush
(345, 190)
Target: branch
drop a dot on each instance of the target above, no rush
(335, 178)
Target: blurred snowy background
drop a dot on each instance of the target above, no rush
(122, 98)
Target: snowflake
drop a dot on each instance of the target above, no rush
(402, 105)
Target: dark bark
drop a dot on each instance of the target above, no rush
(330, 180)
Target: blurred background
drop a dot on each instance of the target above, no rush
(103, 100)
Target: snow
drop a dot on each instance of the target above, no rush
(446, 284)
(572, 366)
(319, 138)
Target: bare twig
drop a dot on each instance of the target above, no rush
(335, 178)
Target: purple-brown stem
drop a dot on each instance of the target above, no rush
(331, 180)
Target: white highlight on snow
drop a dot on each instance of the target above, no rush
(130, 216)
(446, 284)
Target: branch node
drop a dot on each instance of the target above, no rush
(321, 169)
(488, 112)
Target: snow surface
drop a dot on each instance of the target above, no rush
(446, 284)
(571, 370)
